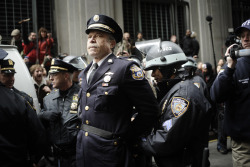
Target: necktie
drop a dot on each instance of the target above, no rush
(95, 66)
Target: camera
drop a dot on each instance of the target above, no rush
(232, 39)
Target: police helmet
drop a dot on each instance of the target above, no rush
(163, 54)
(76, 61)
(190, 63)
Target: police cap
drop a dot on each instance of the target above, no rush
(58, 65)
(7, 66)
(106, 24)
(245, 25)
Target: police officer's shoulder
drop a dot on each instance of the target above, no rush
(53, 91)
(127, 61)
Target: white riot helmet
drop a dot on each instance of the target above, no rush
(163, 54)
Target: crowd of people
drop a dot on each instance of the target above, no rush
(112, 113)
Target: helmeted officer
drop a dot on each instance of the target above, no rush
(181, 134)
(60, 115)
(189, 72)
(21, 133)
(7, 78)
(107, 98)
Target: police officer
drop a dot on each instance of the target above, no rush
(7, 78)
(60, 115)
(232, 87)
(181, 134)
(21, 133)
(107, 100)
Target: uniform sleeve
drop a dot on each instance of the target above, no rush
(141, 95)
(36, 134)
(223, 85)
(181, 119)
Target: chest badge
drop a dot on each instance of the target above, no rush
(107, 78)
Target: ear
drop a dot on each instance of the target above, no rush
(112, 44)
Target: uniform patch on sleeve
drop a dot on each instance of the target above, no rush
(137, 73)
(167, 124)
(197, 84)
(179, 106)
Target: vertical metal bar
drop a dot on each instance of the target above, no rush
(166, 14)
(162, 34)
(28, 16)
(151, 23)
(34, 15)
(6, 19)
(156, 22)
(13, 14)
(145, 16)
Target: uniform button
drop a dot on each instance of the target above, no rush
(87, 122)
(106, 93)
(86, 133)
(86, 108)
(115, 143)
(88, 94)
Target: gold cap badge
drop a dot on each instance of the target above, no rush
(96, 18)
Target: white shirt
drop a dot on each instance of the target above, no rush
(92, 67)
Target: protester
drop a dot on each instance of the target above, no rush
(17, 40)
(111, 89)
(40, 83)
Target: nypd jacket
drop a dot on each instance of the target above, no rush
(183, 127)
(107, 103)
(21, 132)
(62, 131)
(232, 87)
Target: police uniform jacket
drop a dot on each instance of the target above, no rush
(28, 98)
(107, 103)
(21, 132)
(232, 87)
(63, 131)
(182, 132)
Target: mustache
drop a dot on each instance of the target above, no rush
(93, 46)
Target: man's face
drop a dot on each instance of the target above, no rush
(7, 79)
(245, 39)
(38, 75)
(126, 36)
(188, 33)
(58, 80)
(157, 75)
(32, 36)
(99, 45)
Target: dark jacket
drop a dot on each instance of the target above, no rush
(21, 132)
(63, 130)
(232, 87)
(107, 103)
(182, 132)
(26, 97)
(187, 46)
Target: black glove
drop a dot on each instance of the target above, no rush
(50, 115)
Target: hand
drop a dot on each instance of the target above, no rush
(26, 60)
(46, 89)
(231, 63)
